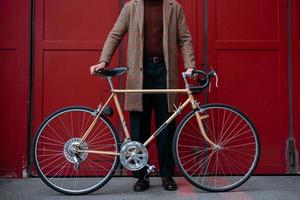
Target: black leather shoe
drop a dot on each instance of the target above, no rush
(141, 185)
(169, 183)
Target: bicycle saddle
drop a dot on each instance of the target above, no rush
(112, 72)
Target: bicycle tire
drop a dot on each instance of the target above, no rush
(42, 146)
(215, 177)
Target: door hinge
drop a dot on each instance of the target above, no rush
(291, 152)
(292, 156)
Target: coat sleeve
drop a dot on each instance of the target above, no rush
(115, 36)
(184, 40)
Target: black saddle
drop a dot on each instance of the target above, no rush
(112, 72)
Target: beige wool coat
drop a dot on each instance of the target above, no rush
(175, 34)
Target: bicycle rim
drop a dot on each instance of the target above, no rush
(55, 162)
(213, 169)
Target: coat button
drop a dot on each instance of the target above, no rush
(141, 69)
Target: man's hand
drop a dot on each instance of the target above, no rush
(97, 67)
(189, 70)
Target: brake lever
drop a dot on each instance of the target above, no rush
(217, 82)
(217, 79)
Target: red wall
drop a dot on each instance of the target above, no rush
(247, 45)
(14, 48)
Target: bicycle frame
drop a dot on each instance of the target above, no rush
(77, 145)
(177, 112)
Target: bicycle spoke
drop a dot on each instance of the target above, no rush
(64, 125)
(229, 135)
(47, 138)
(61, 169)
(95, 133)
(82, 124)
(247, 138)
(98, 136)
(62, 140)
(72, 125)
(88, 122)
(49, 150)
(50, 157)
(235, 136)
(224, 124)
(240, 145)
(193, 154)
(55, 167)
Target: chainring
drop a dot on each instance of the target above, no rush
(133, 155)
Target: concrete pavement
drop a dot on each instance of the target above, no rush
(257, 188)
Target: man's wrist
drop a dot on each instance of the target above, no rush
(188, 68)
(106, 63)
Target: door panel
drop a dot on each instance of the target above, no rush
(68, 39)
(246, 20)
(78, 21)
(8, 60)
(247, 47)
(14, 47)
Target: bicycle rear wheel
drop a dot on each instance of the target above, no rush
(55, 159)
(211, 169)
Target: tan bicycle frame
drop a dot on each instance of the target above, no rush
(113, 95)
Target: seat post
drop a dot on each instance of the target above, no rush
(185, 81)
(110, 82)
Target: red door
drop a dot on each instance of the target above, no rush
(247, 46)
(68, 40)
(14, 70)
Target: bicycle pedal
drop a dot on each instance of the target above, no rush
(151, 169)
(76, 166)
(156, 173)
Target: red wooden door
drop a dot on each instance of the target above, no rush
(247, 46)
(14, 48)
(69, 37)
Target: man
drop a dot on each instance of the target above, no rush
(155, 28)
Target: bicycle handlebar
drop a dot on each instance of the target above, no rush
(204, 82)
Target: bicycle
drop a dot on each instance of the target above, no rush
(216, 147)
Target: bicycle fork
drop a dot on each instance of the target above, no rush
(199, 118)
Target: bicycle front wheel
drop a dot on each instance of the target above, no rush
(216, 169)
(64, 169)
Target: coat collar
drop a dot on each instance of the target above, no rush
(167, 11)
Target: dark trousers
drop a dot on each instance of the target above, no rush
(154, 78)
